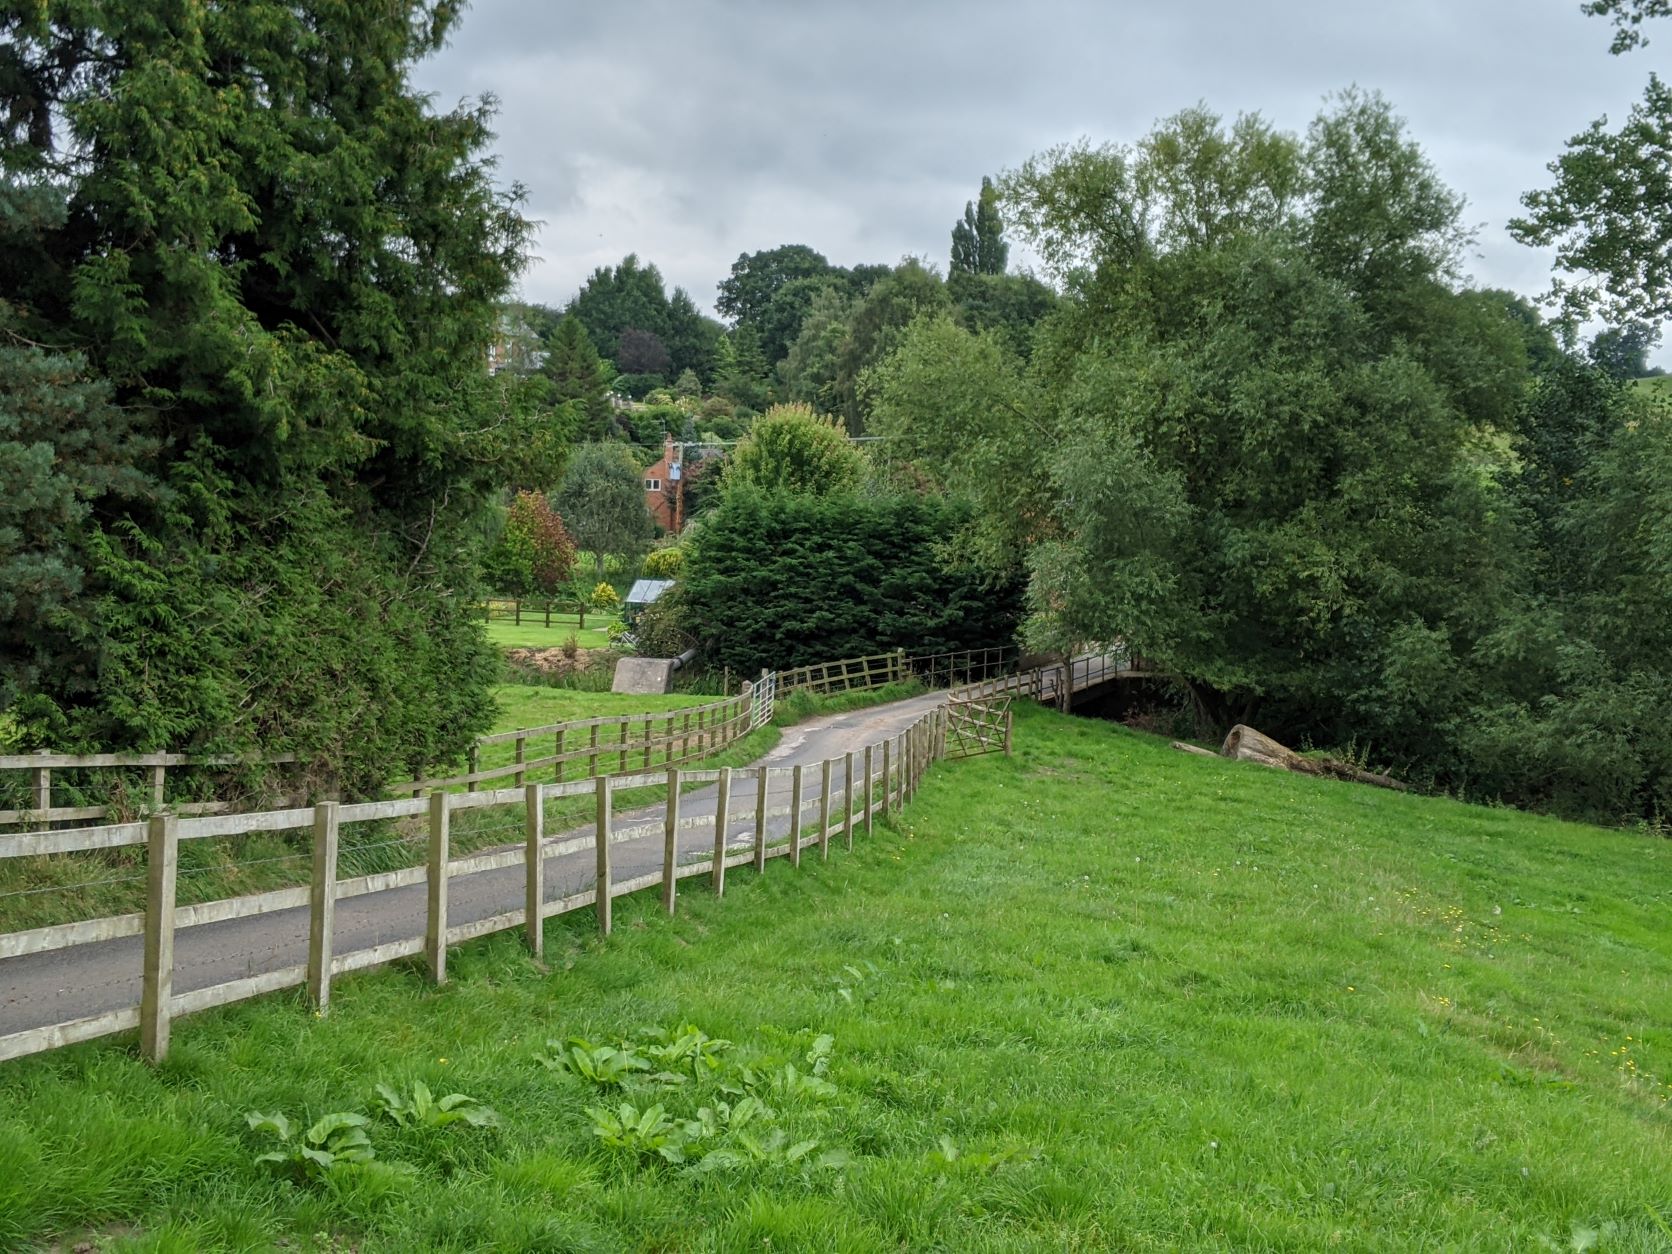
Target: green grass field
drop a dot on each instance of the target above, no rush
(1101, 995)
(523, 705)
(532, 634)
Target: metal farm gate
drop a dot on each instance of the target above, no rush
(765, 696)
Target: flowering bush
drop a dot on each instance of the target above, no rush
(664, 563)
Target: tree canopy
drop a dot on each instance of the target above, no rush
(601, 500)
(978, 245)
(790, 449)
(285, 267)
(633, 322)
(791, 579)
(1266, 443)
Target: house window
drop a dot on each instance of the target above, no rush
(652, 485)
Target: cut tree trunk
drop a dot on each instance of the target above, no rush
(1244, 744)
(1183, 747)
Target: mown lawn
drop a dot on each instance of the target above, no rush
(1098, 996)
(531, 633)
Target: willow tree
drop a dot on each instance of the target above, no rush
(284, 265)
(1250, 440)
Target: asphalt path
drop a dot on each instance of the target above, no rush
(84, 980)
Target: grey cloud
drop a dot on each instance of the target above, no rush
(691, 132)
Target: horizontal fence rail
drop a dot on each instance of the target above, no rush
(727, 823)
(546, 613)
(148, 788)
(735, 817)
(598, 746)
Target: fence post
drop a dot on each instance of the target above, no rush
(722, 820)
(795, 815)
(868, 790)
(557, 750)
(42, 788)
(847, 803)
(534, 857)
(908, 763)
(602, 841)
(592, 758)
(761, 773)
(522, 756)
(824, 811)
(647, 740)
(435, 929)
(516, 611)
(621, 766)
(159, 777)
(1009, 718)
(474, 762)
(886, 745)
(670, 844)
(685, 737)
(702, 732)
(162, 851)
(322, 904)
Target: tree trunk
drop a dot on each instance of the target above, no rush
(1244, 744)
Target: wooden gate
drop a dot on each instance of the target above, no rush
(977, 725)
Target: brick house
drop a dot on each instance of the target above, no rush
(662, 495)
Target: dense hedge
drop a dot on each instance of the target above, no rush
(790, 580)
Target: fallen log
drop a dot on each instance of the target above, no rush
(1244, 744)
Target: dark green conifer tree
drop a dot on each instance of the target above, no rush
(285, 268)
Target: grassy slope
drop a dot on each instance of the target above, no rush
(1188, 1004)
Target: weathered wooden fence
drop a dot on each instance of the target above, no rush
(547, 613)
(142, 777)
(731, 827)
(823, 801)
(581, 748)
(934, 670)
(588, 747)
(977, 725)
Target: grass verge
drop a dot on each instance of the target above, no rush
(1098, 995)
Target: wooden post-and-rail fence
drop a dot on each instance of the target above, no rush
(589, 747)
(581, 748)
(824, 801)
(38, 769)
(737, 831)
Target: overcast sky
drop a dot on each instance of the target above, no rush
(690, 131)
